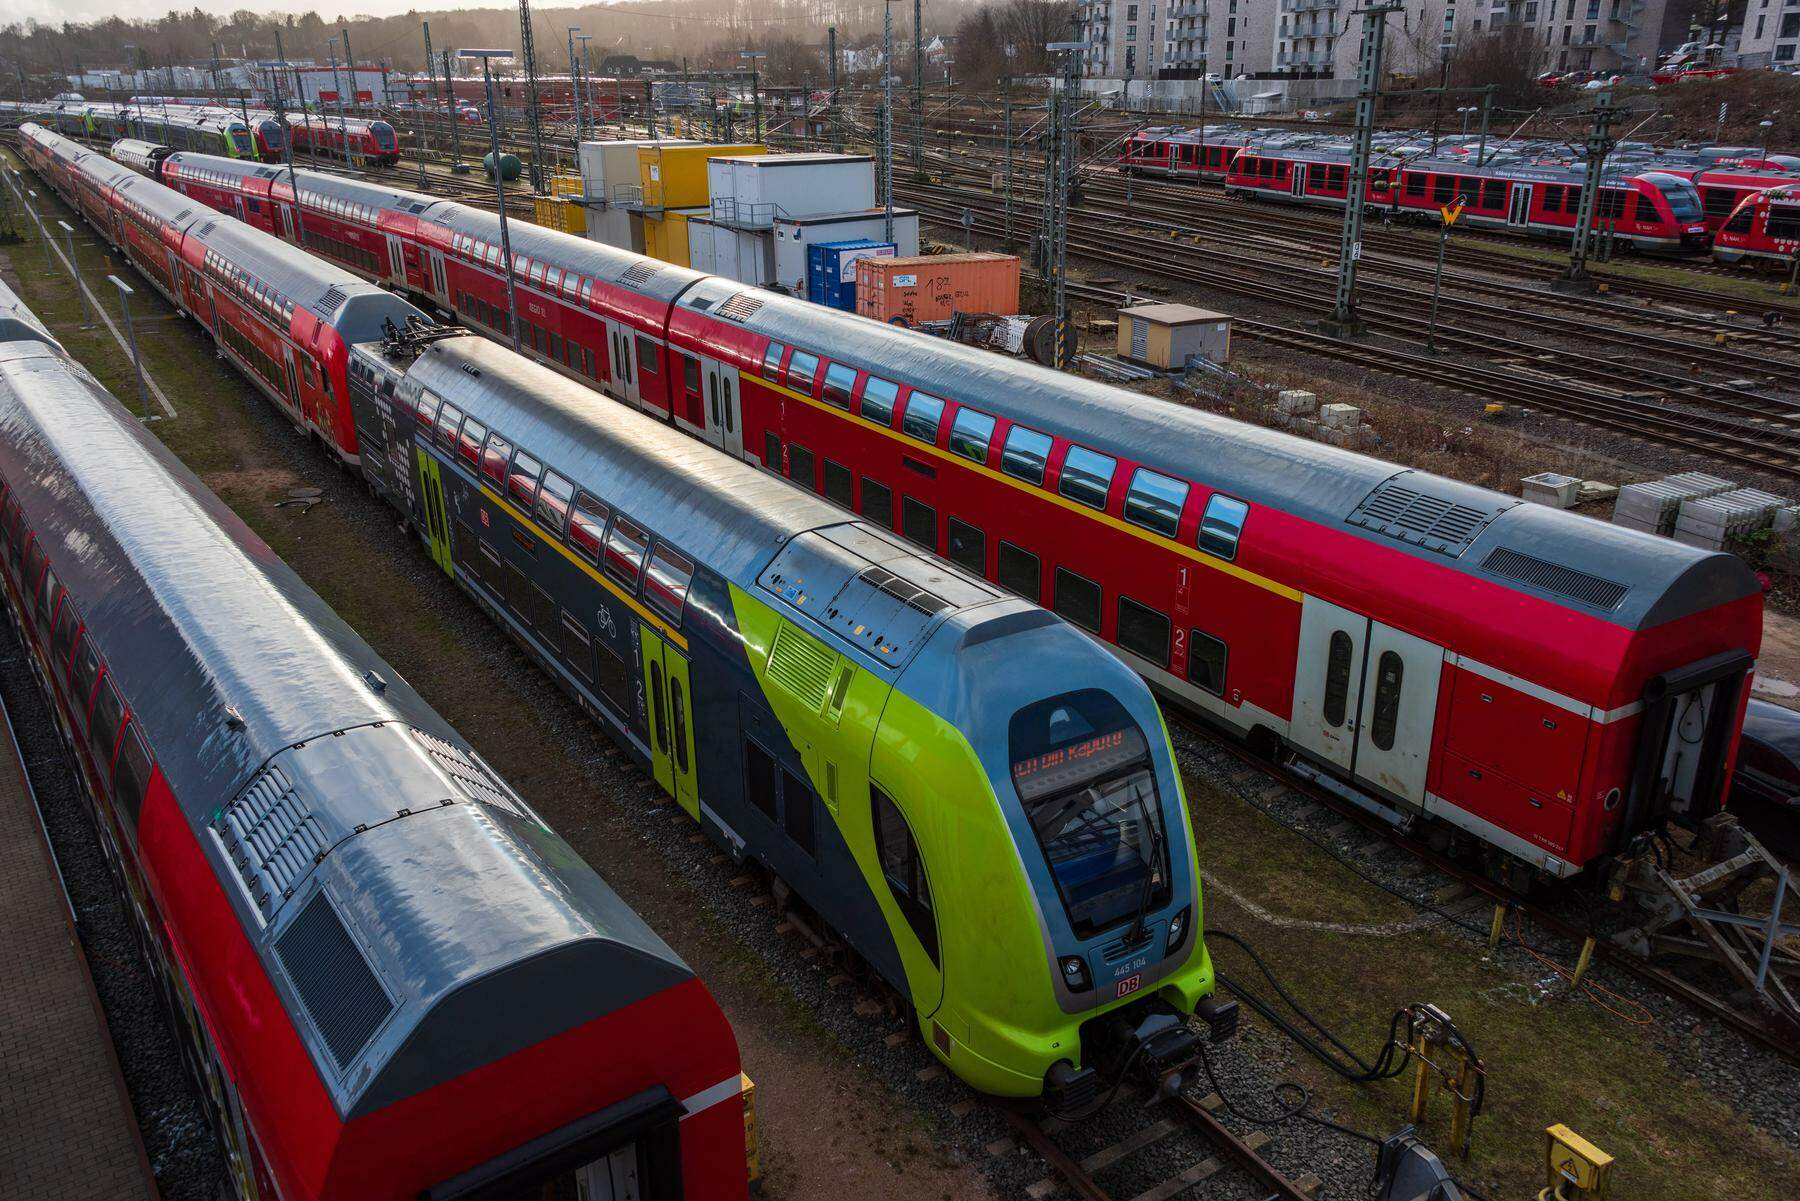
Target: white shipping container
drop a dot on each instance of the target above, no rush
(609, 171)
(701, 250)
(755, 190)
(746, 255)
(792, 237)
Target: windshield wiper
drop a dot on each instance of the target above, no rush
(1137, 934)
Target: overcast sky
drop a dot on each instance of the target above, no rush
(55, 12)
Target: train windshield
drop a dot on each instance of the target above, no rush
(384, 134)
(1683, 196)
(240, 138)
(271, 135)
(1083, 772)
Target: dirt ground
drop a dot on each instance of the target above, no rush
(1778, 666)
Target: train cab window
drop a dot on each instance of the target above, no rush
(647, 355)
(1206, 662)
(967, 546)
(1784, 222)
(877, 503)
(918, 522)
(87, 669)
(62, 635)
(1642, 208)
(759, 779)
(1222, 525)
(131, 776)
(840, 382)
(469, 442)
(771, 367)
(802, 371)
(553, 502)
(1078, 599)
(921, 418)
(1025, 454)
(1390, 677)
(577, 647)
(879, 397)
(103, 731)
(1020, 573)
(1086, 476)
(1144, 631)
(904, 869)
(970, 434)
(840, 484)
(666, 583)
(1155, 501)
(625, 546)
(495, 458)
(1338, 654)
(587, 527)
(802, 467)
(1739, 223)
(522, 480)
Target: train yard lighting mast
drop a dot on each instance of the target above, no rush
(575, 82)
(1059, 181)
(1343, 321)
(587, 82)
(457, 166)
(487, 58)
(887, 119)
(755, 87)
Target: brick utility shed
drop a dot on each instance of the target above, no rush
(1166, 335)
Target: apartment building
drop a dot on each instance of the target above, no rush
(1771, 33)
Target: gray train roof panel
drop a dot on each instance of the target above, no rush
(1308, 479)
(20, 324)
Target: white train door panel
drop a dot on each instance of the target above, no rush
(724, 412)
(621, 364)
(1399, 711)
(1328, 680)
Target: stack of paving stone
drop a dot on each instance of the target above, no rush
(1654, 506)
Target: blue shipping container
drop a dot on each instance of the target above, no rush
(831, 270)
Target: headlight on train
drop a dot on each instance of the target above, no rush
(1075, 974)
(1178, 930)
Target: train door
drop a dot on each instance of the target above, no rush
(1328, 681)
(621, 369)
(396, 272)
(1399, 710)
(437, 521)
(1297, 185)
(438, 286)
(1518, 209)
(724, 409)
(668, 699)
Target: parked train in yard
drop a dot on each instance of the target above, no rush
(1541, 687)
(810, 688)
(390, 979)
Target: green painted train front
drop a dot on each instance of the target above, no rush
(981, 801)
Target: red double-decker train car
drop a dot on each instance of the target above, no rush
(391, 979)
(1540, 684)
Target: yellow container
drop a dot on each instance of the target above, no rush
(666, 235)
(554, 212)
(674, 177)
(565, 185)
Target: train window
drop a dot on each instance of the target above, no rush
(879, 397)
(103, 731)
(904, 869)
(1612, 204)
(625, 546)
(918, 522)
(759, 779)
(802, 467)
(62, 635)
(678, 718)
(1390, 676)
(1415, 184)
(552, 278)
(1739, 224)
(970, 434)
(797, 810)
(802, 371)
(495, 458)
(1086, 476)
(577, 647)
(772, 451)
(1078, 599)
(543, 610)
(131, 778)
(1206, 662)
(46, 596)
(1019, 572)
(1642, 207)
(647, 355)
(1493, 193)
(840, 484)
(468, 443)
(522, 480)
(518, 595)
(1784, 222)
(666, 583)
(690, 374)
(967, 546)
(87, 669)
(659, 733)
(1337, 677)
(1155, 501)
(1025, 454)
(840, 381)
(1221, 525)
(921, 418)
(1717, 201)
(877, 503)
(553, 502)
(587, 526)
(587, 288)
(1144, 631)
(771, 367)
(556, 348)
(1443, 189)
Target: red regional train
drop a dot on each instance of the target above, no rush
(1764, 228)
(1654, 210)
(1182, 153)
(353, 139)
(1544, 685)
(392, 981)
(1723, 188)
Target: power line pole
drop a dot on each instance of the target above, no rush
(575, 83)
(450, 109)
(531, 98)
(349, 60)
(1059, 182)
(1006, 100)
(430, 86)
(918, 136)
(1599, 145)
(1343, 321)
(831, 53)
(887, 118)
(287, 140)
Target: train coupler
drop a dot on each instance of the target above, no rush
(1159, 1047)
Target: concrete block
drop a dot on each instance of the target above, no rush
(1293, 400)
(1340, 416)
(1367, 438)
(1550, 488)
(1338, 436)
(1307, 426)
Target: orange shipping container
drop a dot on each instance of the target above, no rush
(932, 287)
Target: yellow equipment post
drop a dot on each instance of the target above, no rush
(1576, 1170)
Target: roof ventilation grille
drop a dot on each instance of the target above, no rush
(741, 307)
(910, 595)
(470, 776)
(1415, 516)
(328, 303)
(802, 665)
(340, 991)
(207, 228)
(639, 273)
(271, 837)
(1579, 586)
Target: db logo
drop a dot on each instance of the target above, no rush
(1129, 985)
